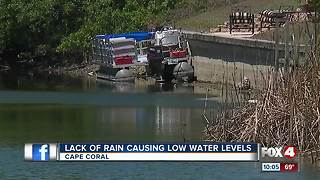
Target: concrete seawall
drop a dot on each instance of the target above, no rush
(232, 53)
(227, 59)
(231, 40)
(236, 47)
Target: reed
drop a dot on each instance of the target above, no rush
(285, 112)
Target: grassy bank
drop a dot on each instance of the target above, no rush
(215, 12)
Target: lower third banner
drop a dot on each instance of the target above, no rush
(144, 152)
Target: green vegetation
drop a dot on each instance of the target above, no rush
(316, 4)
(41, 29)
(62, 29)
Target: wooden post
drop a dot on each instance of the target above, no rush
(292, 114)
(316, 33)
(253, 24)
(286, 56)
(230, 23)
(276, 56)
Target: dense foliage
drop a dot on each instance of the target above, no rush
(315, 3)
(31, 28)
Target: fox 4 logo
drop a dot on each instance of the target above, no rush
(279, 152)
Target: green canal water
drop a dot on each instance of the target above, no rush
(37, 108)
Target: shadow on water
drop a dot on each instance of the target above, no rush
(28, 80)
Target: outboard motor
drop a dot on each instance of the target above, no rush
(155, 58)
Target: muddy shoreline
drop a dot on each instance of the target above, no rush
(78, 71)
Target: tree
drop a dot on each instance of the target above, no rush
(34, 29)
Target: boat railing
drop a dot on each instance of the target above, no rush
(143, 46)
(114, 52)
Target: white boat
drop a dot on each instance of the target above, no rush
(170, 57)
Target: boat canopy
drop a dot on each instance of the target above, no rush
(138, 36)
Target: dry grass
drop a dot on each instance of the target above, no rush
(287, 112)
(293, 28)
(219, 13)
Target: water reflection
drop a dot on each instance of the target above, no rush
(151, 123)
(70, 109)
(27, 81)
(143, 86)
(174, 123)
(55, 123)
(62, 109)
(115, 86)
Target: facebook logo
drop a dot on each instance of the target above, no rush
(40, 152)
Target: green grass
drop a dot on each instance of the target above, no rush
(213, 16)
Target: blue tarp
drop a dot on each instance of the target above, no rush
(138, 36)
